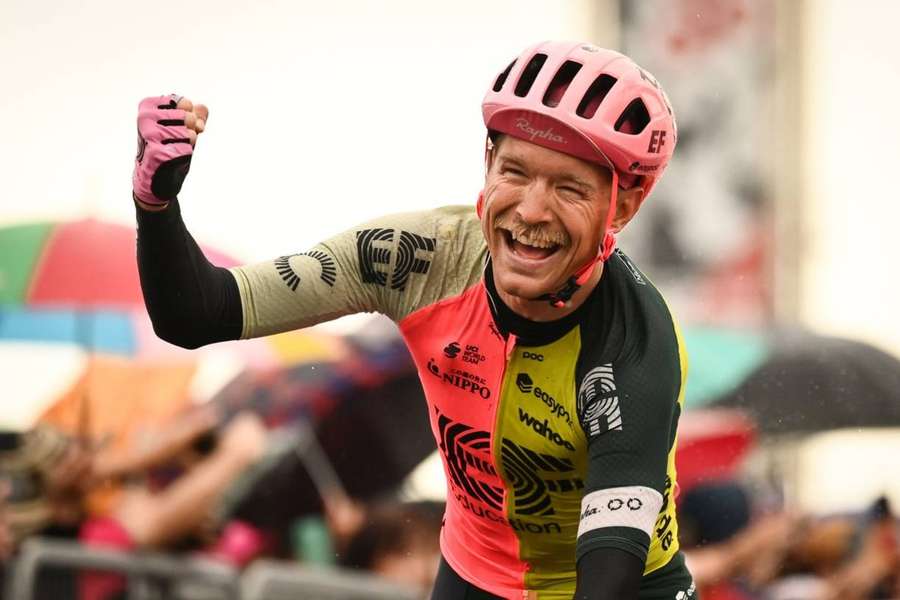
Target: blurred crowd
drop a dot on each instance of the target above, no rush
(213, 485)
(739, 551)
(182, 493)
(177, 494)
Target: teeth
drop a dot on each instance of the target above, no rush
(533, 243)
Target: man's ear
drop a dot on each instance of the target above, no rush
(490, 149)
(627, 204)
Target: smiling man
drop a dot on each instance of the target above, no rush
(552, 367)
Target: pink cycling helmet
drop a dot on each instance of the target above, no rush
(591, 103)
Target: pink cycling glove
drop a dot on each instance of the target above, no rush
(164, 150)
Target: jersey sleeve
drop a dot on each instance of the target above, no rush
(392, 265)
(628, 404)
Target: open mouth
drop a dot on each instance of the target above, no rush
(529, 250)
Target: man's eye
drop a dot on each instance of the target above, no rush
(513, 171)
(570, 190)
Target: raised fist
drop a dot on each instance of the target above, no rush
(168, 127)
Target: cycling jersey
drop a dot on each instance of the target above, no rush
(557, 438)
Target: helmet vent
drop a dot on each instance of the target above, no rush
(595, 95)
(501, 78)
(634, 118)
(529, 74)
(560, 83)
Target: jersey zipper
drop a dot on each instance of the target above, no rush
(509, 346)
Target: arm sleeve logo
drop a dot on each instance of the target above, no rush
(291, 278)
(598, 401)
(376, 247)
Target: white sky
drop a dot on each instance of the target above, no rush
(322, 114)
(851, 243)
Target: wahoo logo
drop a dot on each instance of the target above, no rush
(328, 272)
(524, 125)
(598, 402)
(375, 247)
(543, 428)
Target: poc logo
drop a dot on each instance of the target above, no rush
(533, 356)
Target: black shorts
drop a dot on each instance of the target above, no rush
(665, 583)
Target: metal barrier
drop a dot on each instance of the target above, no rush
(274, 580)
(150, 575)
(156, 576)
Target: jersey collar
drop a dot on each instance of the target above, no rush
(531, 333)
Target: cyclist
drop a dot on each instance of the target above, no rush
(552, 366)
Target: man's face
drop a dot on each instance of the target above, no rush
(544, 215)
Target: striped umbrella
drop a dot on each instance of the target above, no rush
(70, 289)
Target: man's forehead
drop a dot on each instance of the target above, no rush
(513, 149)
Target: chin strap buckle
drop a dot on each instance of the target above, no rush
(559, 298)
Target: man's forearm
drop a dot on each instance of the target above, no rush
(608, 574)
(190, 301)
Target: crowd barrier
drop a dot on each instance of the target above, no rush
(157, 576)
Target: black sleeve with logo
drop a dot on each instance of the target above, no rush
(629, 380)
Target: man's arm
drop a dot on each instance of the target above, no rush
(191, 302)
(608, 574)
(629, 400)
(392, 265)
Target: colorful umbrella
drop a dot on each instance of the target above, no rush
(76, 282)
(69, 289)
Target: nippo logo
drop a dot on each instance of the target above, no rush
(544, 134)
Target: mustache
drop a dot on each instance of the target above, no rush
(541, 233)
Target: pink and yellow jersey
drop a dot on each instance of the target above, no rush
(557, 438)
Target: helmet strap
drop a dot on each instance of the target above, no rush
(562, 296)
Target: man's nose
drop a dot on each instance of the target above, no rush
(534, 205)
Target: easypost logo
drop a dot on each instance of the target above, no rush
(526, 386)
(524, 383)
